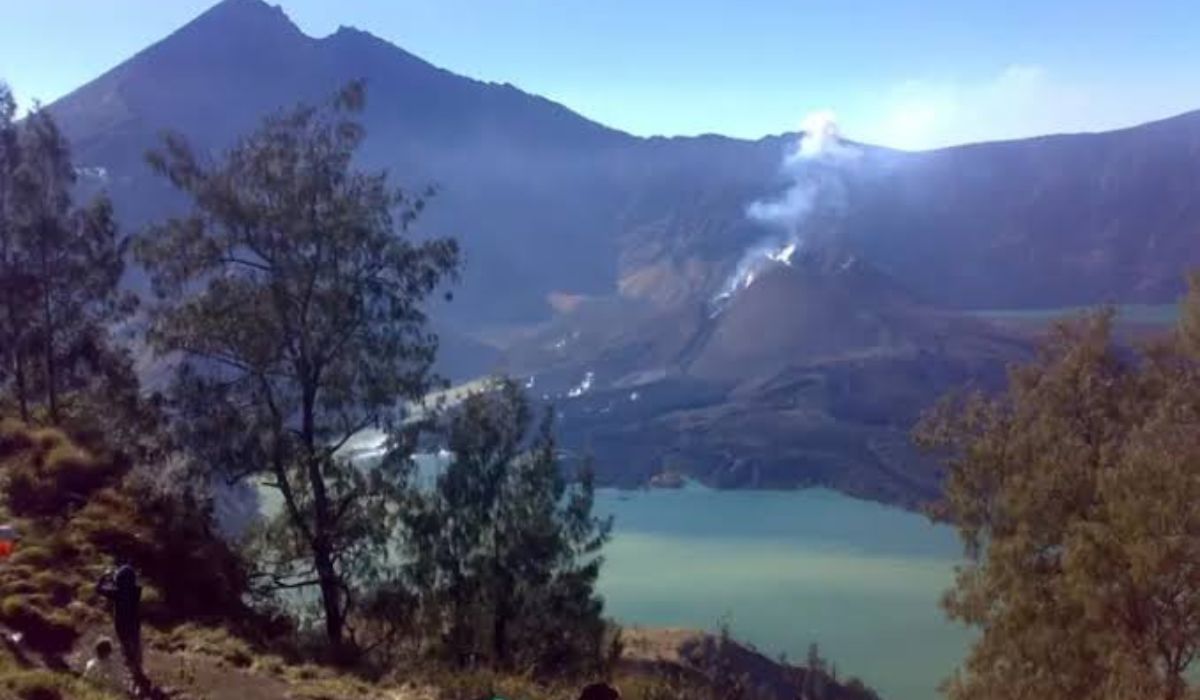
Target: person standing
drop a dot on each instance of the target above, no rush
(122, 590)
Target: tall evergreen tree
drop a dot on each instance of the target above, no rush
(15, 301)
(295, 301)
(60, 269)
(505, 551)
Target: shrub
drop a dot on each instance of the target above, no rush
(36, 685)
(34, 557)
(655, 688)
(48, 475)
(77, 474)
(46, 439)
(51, 633)
(14, 438)
(60, 588)
(41, 684)
(462, 684)
(211, 642)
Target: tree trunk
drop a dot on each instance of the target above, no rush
(330, 581)
(331, 601)
(499, 625)
(22, 391)
(48, 336)
(51, 372)
(500, 602)
(18, 360)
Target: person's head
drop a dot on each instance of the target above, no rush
(103, 648)
(125, 576)
(600, 691)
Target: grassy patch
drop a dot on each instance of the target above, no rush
(337, 688)
(41, 684)
(49, 631)
(210, 641)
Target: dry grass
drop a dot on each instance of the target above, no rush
(210, 641)
(657, 644)
(35, 683)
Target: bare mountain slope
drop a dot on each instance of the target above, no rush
(591, 252)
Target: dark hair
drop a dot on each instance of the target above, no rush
(125, 576)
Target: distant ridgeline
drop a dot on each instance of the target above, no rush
(596, 253)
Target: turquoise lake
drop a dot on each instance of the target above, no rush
(787, 568)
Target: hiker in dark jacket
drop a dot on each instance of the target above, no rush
(122, 590)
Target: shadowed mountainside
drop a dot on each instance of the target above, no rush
(593, 251)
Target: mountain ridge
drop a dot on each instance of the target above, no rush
(594, 252)
(264, 14)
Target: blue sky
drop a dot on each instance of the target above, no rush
(904, 73)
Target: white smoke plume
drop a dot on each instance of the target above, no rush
(816, 156)
(814, 167)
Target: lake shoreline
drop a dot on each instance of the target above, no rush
(786, 568)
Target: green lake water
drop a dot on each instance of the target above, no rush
(1156, 314)
(787, 568)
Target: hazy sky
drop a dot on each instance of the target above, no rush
(905, 73)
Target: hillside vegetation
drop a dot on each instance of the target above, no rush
(1076, 491)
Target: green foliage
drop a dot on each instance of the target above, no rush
(816, 679)
(1075, 492)
(60, 266)
(295, 301)
(504, 552)
(48, 475)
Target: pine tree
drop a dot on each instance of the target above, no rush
(505, 553)
(295, 300)
(15, 300)
(60, 270)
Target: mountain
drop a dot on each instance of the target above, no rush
(593, 257)
(812, 375)
(547, 200)
(1044, 222)
(513, 166)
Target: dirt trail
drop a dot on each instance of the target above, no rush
(191, 676)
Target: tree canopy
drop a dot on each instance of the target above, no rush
(60, 271)
(1076, 494)
(294, 297)
(504, 551)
